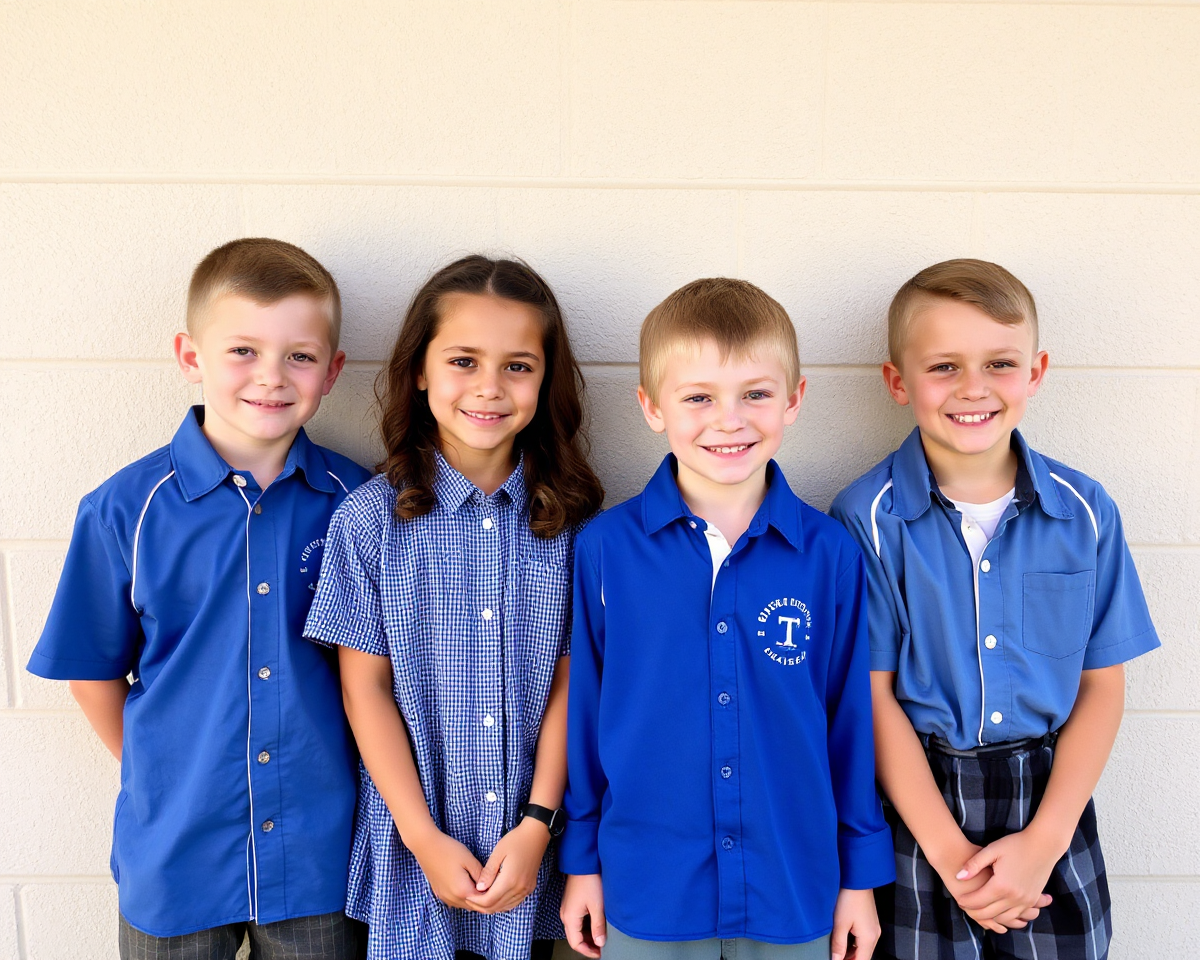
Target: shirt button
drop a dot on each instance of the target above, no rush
(489, 720)
(490, 797)
(487, 613)
(239, 481)
(264, 757)
(990, 642)
(264, 672)
(727, 843)
(268, 826)
(722, 698)
(263, 589)
(692, 524)
(727, 772)
(722, 626)
(985, 565)
(487, 523)
(258, 508)
(997, 717)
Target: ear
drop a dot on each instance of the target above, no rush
(334, 371)
(651, 411)
(188, 357)
(895, 383)
(1037, 374)
(792, 410)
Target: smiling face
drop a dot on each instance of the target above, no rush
(724, 419)
(482, 373)
(264, 369)
(967, 378)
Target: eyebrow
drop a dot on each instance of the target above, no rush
(531, 356)
(698, 385)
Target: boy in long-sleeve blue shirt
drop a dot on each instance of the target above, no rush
(721, 788)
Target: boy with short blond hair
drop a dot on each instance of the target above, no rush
(1003, 605)
(721, 790)
(192, 571)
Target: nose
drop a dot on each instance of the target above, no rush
(972, 385)
(488, 384)
(270, 372)
(729, 416)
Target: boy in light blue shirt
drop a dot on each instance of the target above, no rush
(1003, 605)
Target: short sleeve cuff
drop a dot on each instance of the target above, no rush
(1114, 653)
(578, 852)
(885, 660)
(867, 861)
(58, 668)
(363, 635)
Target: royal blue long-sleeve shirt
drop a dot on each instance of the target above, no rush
(720, 752)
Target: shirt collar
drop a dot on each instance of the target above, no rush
(913, 483)
(452, 489)
(662, 503)
(200, 469)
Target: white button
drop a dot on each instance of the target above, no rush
(264, 672)
(487, 613)
(487, 523)
(264, 589)
(268, 826)
(489, 720)
(990, 642)
(693, 523)
(264, 757)
(258, 508)
(997, 717)
(239, 480)
(489, 797)
(985, 565)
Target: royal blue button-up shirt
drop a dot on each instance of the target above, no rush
(237, 770)
(994, 653)
(720, 753)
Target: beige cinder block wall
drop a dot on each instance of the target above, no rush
(824, 150)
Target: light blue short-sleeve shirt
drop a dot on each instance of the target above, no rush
(993, 652)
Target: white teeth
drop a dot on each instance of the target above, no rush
(737, 449)
(971, 417)
(482, 416)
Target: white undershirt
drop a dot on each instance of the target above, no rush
(979, 522)
(718, 546)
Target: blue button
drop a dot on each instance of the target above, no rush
(722, 698)
(727, 843)
(727, 772)
(722, 626)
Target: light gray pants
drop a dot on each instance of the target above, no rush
(620, 947)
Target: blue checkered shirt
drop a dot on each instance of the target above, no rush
(472, 610)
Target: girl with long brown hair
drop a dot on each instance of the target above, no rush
(446, 587)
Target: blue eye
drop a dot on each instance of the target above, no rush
(697, 398)
(758, 395)
(304, 357)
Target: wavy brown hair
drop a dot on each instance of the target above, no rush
(563, 490)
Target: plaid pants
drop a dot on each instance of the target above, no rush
(991, 796)
(328, 936)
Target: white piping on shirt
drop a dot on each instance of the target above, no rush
(1086, 505)
(978, 650)
(137, 535)
(874, 523)
(339, 480)
(252, 892)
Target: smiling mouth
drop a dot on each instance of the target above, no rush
(969, 418)
(483, 417)
(730, 449)
(268, 404)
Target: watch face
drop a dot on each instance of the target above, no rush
(558, 822)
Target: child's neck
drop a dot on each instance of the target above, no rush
(487, 469)
(973, 478)
(728, 507)
(263, 461)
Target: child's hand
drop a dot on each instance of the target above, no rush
(450, 868)
(511, 872)
(584, 898)
(1020, 865)
(959, 889)
(854, 916)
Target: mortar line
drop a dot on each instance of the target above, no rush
(7, 607)
(739, 233)
(19, 914)
(81, 177)
(55, 878)
(566, 34)
(824, 124)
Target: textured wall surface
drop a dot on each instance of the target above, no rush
(826, 151)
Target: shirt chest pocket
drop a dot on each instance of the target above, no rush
(1056, 615)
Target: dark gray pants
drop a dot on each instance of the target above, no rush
(329, 936)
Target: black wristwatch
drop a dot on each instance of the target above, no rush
(555, 820)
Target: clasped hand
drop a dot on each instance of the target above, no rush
(458, 879)
(1001, 887)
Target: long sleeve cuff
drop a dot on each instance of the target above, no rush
(577, 849)
(867, 861)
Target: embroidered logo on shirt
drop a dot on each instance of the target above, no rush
(310, 560)
(788, 622)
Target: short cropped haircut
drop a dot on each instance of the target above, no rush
(986, 286)
(738, 316)
(264, 271)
